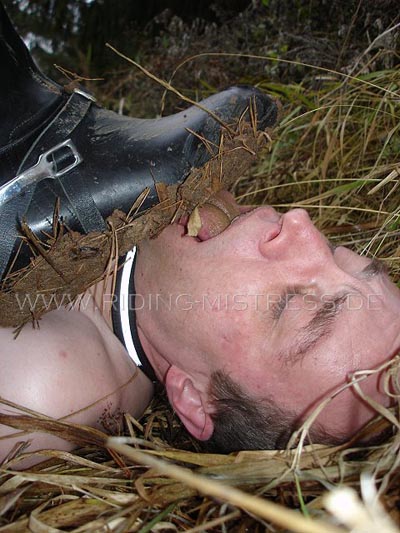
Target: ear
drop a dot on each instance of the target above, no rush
(189, 404)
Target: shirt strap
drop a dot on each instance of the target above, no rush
(124, 314)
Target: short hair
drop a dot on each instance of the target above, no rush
(243, 423)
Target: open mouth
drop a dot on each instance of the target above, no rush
(219, 213)
(212, 218)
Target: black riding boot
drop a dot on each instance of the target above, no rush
(56, 145)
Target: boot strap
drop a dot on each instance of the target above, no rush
(48, 149)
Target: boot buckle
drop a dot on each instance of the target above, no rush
(54, 163)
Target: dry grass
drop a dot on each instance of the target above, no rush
(335, 154)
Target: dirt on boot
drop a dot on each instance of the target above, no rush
(69, 262)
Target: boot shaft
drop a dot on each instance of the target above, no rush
(27, 97)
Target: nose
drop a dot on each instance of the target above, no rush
(298, 240)
(299, 220)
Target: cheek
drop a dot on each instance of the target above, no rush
(299, 386)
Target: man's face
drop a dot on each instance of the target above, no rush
(270, 302)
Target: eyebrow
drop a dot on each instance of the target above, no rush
(319, 327)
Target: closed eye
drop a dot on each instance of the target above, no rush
(374, 268)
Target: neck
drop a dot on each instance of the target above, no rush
(158, 361)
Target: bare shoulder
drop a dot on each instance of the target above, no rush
(70, 366)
